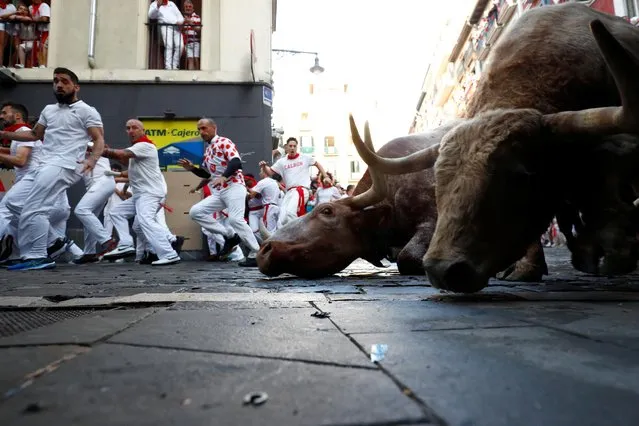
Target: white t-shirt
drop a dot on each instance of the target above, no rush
(145, 176)
(326, 195)
(169, 14)
(10, 8)
(34, 157)
(66, 134)
(269, 189)
(295, 172)
(43, 11)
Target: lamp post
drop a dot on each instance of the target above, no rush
(315, 69)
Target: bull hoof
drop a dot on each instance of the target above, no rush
(523, 271)
(618, 265)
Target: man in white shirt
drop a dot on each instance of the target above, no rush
(295, 172)
(68, 124)
(169, 19)
(222, 164)
(149, 195)
(327, 192)
(100, 187)
(268, 191)
(41, 13)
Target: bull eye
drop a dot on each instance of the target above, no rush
(327, 211)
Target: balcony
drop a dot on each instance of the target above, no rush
(506, 10)
(307, 145)
(174, 46)
(25, 41)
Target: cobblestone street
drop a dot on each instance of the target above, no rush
(127, 344)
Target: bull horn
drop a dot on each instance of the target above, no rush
(623, 66)
(377, 190)
(265, 233)
(415, 162)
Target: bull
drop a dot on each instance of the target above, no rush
(385, 216)
(561, 84)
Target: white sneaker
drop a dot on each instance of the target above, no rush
(166, 261)
(119, 252)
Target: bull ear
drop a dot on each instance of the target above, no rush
(374, 218)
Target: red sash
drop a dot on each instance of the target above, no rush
(301, 205)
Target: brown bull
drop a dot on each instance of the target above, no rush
(547, 101)
(397, 212)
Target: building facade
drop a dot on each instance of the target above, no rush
(118, 52)
(452, 78)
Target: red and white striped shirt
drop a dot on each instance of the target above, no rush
(190, 34)
(217, 155)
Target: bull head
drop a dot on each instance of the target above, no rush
(330, 237)
(493, 192)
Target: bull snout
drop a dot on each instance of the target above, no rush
(454, 275)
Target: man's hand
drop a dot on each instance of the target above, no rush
(263, 163)
(89, 165)
(158, 3)
(186, 164)
(218, 181)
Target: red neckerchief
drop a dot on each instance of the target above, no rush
(143, 139)
(36, 10)
(166, 2)
(3, 4)
(15, 127)
(293, 157)
(326, 186)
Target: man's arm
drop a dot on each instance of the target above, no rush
(97, 136)
(18, 160)
(201, 185)
(122, 155)
(321, 169)
(35, 134)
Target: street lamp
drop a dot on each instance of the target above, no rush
(315, 69)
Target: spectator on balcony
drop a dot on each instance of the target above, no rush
(24, 34)
(6, 9)
(191, 30)
(169, 20)
(41, 14)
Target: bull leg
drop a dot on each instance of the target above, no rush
(410, 260)
(529, 268)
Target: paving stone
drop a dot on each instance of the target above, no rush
(282, 333)
(379, 317)
(515, 376)
(20, 366)
(85, 329)
(611, 322)
(118, 385)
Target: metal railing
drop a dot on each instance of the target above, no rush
(174, 46)
(24, 45)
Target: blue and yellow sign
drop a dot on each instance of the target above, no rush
(175, 139)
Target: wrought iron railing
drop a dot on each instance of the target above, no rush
(174, 46)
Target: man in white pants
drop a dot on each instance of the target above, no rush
(68, 124)
(99, 188)
(169, 19)
(149, 194)
(267, 190)
(23, 156)
(223, 164)
(295, 172)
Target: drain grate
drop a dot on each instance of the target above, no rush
(14, 322)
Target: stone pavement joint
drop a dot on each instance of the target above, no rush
(430, 414)
(241, 354)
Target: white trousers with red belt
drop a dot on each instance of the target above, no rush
(290, 205)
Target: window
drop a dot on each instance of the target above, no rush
(329, 145)
(346, 88)
(310, 89)
(28, 45)
(306, 144)
(304, 116)
(355, 170)
(632, 8)
(173, 46)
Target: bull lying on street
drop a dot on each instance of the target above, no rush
(385, 213)
(550, 98)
